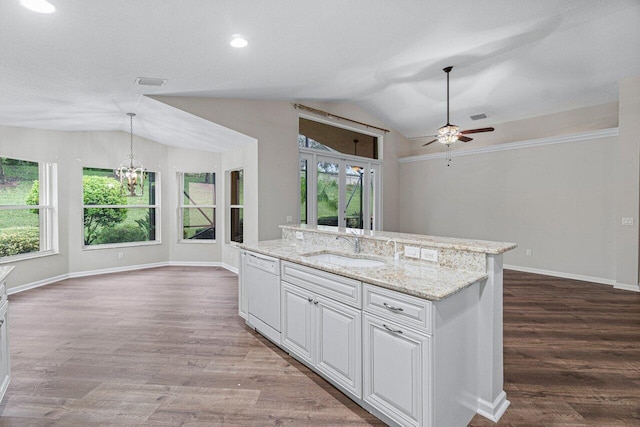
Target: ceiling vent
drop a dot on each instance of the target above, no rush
(478, 116)
(150, 81)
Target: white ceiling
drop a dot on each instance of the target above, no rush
(75, 69)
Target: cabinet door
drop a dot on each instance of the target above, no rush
(5, 369)
(297, 332)
(396, 380)
(339, 344)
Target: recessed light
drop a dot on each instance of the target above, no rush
(238, 41)
(150, 81)
(40, 6)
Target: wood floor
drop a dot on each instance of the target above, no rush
(165, 347)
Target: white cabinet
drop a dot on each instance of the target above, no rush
(5, 366)
(396, 370)
(323, 333)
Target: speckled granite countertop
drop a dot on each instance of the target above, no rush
(416, 278)
(4, 271)
(470, 245)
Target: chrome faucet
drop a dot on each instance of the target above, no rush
(356, 241)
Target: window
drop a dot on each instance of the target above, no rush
(236, 205)
(111, 217)
(27, 208)
(198, 206)
(338, 188)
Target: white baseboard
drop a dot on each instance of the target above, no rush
(493, 410)
(592, 279)
(625, 287)
(50, 280)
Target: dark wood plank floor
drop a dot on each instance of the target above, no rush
(165, 347)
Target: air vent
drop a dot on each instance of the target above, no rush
(478, 116)
(150, 81)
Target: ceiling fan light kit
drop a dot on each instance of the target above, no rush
(448, 134)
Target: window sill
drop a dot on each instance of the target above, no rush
(197, 241)
(24, 257)
(120, 245)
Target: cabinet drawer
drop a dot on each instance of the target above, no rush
(339, 288)
(399, 307)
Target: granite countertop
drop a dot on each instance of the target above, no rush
(470, 245)
(4, 271)
(415, 278)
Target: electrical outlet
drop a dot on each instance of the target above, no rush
(120, 255)
(411, 252)
(429, 254)
(289, 219)
(627, 221)
(529, 252)
(299, 235)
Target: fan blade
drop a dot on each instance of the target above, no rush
(464, 138)
(464, 132)
(430, 142)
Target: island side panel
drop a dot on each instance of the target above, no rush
(492, 400)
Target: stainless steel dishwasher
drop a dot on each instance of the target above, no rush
(262, 283)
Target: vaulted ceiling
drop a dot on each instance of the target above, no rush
(75, 69)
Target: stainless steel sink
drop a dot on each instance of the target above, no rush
(343, 260)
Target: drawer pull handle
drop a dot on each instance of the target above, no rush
(392, 308)
(315, 302)
(1, 322)
(395, 331)
(310, 299)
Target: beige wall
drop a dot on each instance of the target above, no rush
(274, 124)
(557, 200)
(628, 183)
(72, 151)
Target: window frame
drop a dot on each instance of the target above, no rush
(312, 157)
(230, 207)
(182, 207)
(156, 206)
(47, 215)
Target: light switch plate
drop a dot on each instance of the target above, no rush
(627, 221)
(429, 254)
(411, 252)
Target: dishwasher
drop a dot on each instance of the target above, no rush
(262, 281)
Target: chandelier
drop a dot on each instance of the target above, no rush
(131, 172)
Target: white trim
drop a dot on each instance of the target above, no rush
(581, 277)
(577, 137)
(50, 280)
(493, 410)
(625, 287)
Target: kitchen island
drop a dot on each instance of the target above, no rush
(408, 326)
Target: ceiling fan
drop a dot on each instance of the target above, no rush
(448, 134)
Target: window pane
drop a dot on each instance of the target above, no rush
(100, 187)
(353, 207)
(328, 193)
(199, 223)
(372, 200)
(236, 224)
(199, 189)
(19, 232)
(118, 225)
(17, 178)
(303, 192)
(237, 187)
